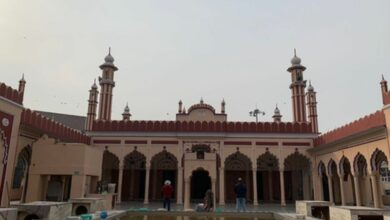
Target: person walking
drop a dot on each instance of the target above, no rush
(167, 191)
(240, 190)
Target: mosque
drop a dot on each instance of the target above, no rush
(50, 156)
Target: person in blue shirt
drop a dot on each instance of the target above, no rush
(240, 190)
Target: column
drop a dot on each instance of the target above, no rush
(357, 189)
(270, 185)
(186, 193)
(120, 180)
(330, 185)
(213, 189)
(254, 177)
(342, 189)
(374, 185)
(180, 186)
(282, 193)
(221, 186)
(146, 197)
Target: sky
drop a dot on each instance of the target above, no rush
(171, 50)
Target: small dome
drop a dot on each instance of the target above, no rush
(109, 59)
(94, 86)
(310, 88)
(277, 111)
(127, 109)
(296, 60)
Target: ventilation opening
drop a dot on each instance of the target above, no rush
(81, 210)
(31, 217)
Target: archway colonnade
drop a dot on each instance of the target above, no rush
(268, 177)
(352, 179)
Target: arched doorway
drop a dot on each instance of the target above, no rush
(110, 170)
(200, 183)
(163, 167)
(238, 165)
(378, 158)
(323, 181)
(335, 181)
(133, 187)
(297, 177)
(20, 179)
(347, 181)
(364, 185)
(268, 177)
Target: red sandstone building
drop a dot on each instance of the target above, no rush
(52, 156)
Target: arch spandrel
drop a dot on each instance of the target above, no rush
(267, 161)
(164, 161)
(135, 160)
(238, 161)
(297, 161)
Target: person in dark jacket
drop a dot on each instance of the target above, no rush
(167, 191)
(240, 190)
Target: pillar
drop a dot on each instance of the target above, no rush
(221, 186)
(146, 197)
(186, 193)
(120, 180)
(254, 177)
(330, 185)
(357, 189)
(180, 186)
(374, 185)
(282, 193)
(342, 189)
(270, 185)
(213, 189)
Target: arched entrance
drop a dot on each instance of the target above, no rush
(268, 177)
(297, 177)
(200, 183)
(238, 165)
(363, 195)
(133, 187)
(378, 158)
(20, 180)
(163, 167)
(110, 169)
(335, 181)
(323, 181)
(348, 181)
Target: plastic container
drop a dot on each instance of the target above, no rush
(86, 217)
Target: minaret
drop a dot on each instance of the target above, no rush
(312, 108)
(180, 107)
(106, 85)
(277, 116)
(223, 103)
(384, 90)
(126, 113)
(22, 84)
(297, 87)
(92, 104)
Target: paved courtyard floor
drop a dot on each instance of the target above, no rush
(230, 207)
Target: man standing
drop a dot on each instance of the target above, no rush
(240, 190)
(167, 191)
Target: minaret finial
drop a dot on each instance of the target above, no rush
(295, 52)
(109, 50)
(23, 76)
(383, 78)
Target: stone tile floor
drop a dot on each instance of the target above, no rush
(230, 207)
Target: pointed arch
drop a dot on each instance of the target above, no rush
(321, 168)
(345, 166)
(360, 164)
(22, 165)
(110, 167)
(267, 161)
(164, 161)
(296, 161)
(377, 158)
(238, 161)
(134, 160)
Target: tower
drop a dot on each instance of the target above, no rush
(106, 86)
(312, 108)
(277, 116)
(223, 104)
(22, 84)
(385, 96)
(126, 113)
(92, 104)
(297, 87)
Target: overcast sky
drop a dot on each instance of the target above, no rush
(171, 50)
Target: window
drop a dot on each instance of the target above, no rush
(384, 171)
